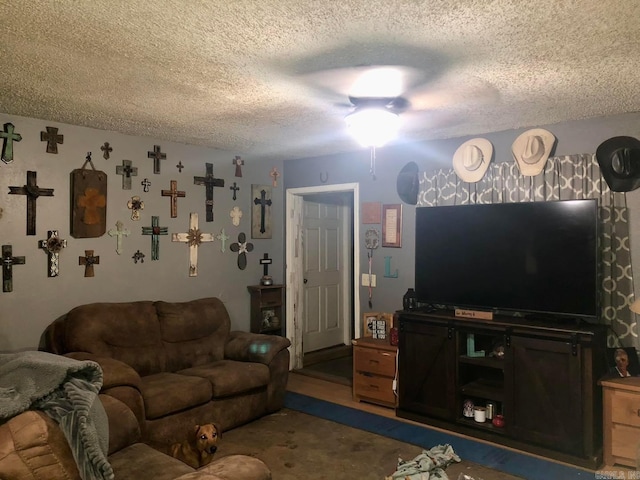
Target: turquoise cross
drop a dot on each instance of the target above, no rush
(9, 137)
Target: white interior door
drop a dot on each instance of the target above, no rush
(324, 283)
(295, 268)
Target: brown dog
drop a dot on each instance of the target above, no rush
(197, 451)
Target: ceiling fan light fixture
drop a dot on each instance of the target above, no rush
(373, 127)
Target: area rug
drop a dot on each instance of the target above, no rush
(495, 457)
(299, 446)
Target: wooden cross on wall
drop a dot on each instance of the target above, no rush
(174, 193)
(127, 171)
(32, 191)
(89, 260)
(194, 237)
(209, 181)
(106, 150)
(9, 137)
(145, 185)
(265, 261)
(8, 261)
(157, 155)
(53, 245)
(155, 230)
(274, 174)
(52, 138)
(238, 162)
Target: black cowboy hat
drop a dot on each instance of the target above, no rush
(619, 160)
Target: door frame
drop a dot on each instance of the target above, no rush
(294, 268)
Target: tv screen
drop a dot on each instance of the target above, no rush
(535, 257)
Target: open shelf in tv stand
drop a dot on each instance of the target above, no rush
(545, 385)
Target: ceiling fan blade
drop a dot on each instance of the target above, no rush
(373, 81)
(453, 92)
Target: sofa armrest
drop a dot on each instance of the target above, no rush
(114, 372)
(254, 347)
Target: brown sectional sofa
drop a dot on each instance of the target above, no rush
(33, 447)
(175, 365)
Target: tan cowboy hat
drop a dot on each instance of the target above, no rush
(472, 159)
(532, 149)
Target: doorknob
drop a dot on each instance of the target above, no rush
(305, 281)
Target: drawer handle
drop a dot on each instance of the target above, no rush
(638, 412)
(374, 362)
(374, 387)
(386, 354)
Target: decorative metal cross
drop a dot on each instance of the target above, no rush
(223, 237)
(9, 137)
(155, 231)
(179, 166)
(235, 188)
(174, 193)
(145, 185)
(157, 155)
(242, 247)
(209, 181)
(265, 261)
(194, 237)
(274, 174)
(89, 260)
(106, 150)
(127, 172)
(53, 245)
(135, 205)
(119, 232)
(52, 138)
(8, 261)
(238, 162)
(32, 191)
(236, 215)
(138, 256)
(263, 202)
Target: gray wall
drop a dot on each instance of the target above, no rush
(37, 300)
(574, 137)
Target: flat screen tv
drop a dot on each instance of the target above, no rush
(534, 257)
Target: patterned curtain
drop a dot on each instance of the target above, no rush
(564, 178)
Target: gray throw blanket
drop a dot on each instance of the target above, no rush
(67, 391)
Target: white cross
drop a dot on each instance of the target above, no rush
(193, 238)
(236, 215)
(119, 232)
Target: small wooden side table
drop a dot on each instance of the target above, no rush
(621, 420)
(374, 371)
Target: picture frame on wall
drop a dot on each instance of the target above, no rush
(392, 225)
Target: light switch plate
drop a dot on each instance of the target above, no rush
(365, 280)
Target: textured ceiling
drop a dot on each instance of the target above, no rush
(251, 77)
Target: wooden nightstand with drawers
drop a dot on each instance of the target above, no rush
(621, 415)
(374, 371)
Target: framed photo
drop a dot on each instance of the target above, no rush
(392, 225)
(377, 325)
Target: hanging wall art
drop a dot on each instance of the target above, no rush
(88, 201)
(261, 211)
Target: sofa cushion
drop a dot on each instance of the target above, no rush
(229, 377)
(231, 467)
(128, 332)
(194, 332)
(166, 393)
(124, 429)
(140, 462)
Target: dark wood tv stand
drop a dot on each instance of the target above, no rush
(545, 384)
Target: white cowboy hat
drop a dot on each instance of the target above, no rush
(532, 149)
(472, 159)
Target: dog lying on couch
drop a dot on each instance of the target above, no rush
(198, 449)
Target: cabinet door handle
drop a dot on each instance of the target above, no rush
(385, 354)
(638, 412)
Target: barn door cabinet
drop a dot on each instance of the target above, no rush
(541, 376)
